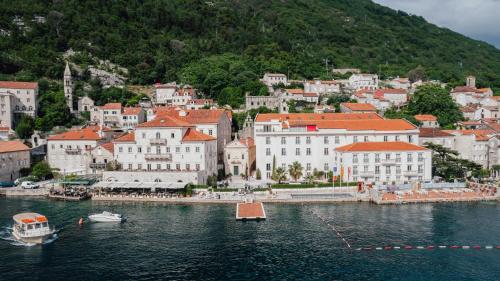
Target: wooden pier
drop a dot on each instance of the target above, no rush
(250, 211)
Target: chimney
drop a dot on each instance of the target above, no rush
(182, 113)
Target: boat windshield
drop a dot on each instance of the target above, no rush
(38, 225)
(45, 224)
(30, 226)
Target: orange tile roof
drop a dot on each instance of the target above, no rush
(113, 105)
(295, 91)
(425, 117)
(480, 135)
(199, 116)
(193, 135)
(89, 133)
(18, 85)
(357, 125)
(4, 129)
(433, 133)
(248, 142)
(128, 137)
(380, 146)
(266, 117)
(359, 106)
(12, 146)
(132, 110)
(109, 146)
(165, 121)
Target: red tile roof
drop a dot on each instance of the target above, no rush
(193, 135)
(12, 146)
(18, 85)
(109, 146)
(89, 133)
(425, 117)
(4, 129)
(310, 94)
(200, 116)
(295, 91)
(266, 117)
(128, 137)
(359, 106)
(480, 135)
(113, 105)
(132, 110)
(380, 146)
(165, 121)
(467, 89)
(433, 133)
(357, 125)
(248, 142)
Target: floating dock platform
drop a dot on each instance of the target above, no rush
(250, 211)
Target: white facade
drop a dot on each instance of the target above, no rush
(172, 94)
(69, 152)
(271, 79)
(386, 163)
(363, 81)
(239, 157)
(167, 146)
(115, 116)
(322, 87)
(16, 99)
(312, 138)
(400, 83)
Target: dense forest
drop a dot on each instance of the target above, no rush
(223, 46)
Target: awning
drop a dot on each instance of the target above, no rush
(139, 185)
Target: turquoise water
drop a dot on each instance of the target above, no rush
(204, 242)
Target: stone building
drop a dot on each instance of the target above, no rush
(14, 156)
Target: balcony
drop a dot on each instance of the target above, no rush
(73, 150)
(158, 157)
(97, 166)
(366, 174)
(410, 173)
(388, 161)
(158, 141)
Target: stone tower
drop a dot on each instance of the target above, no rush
(68, 87)
(470, 81)
(247, 129)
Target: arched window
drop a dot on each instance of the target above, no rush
(157, 180)
(24, 107)
(30, 108)
(17, 107)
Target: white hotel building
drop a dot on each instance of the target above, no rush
(311, 139)
(384, 162)
(170, 148)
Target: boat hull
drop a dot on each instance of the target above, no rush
(104, 219)
(32, 239)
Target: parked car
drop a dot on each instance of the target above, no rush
(23, 179)
(6, 184)
(29, 185)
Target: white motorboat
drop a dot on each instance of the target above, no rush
(106, 217)
(32, 228)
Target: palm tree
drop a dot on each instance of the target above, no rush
(310, 178)
(279, 175)
(295, 170)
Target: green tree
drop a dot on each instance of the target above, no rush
(447, 164)
(25, 127)
(279, 175)
(309, 178)
(42, 170)
(295, 170)
(417, 74)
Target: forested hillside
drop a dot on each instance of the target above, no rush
(224, 46)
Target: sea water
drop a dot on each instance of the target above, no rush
(297, 242)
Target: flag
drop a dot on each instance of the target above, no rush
(341, 172)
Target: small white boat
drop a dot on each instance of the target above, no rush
(106, 217)
(31, 228)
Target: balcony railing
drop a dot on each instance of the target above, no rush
(158, 157)
(158, 141)
(410, 173)
(73, 150)
(97, 165)
(365, 174)
(388, 161)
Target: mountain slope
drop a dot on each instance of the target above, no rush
(186, 40)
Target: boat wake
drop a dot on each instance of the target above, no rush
(6, 235)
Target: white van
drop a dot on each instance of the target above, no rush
(29, 185)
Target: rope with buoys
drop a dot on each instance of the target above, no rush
(332, 227)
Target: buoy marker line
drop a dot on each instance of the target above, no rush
(429, 247)
(332, 227)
